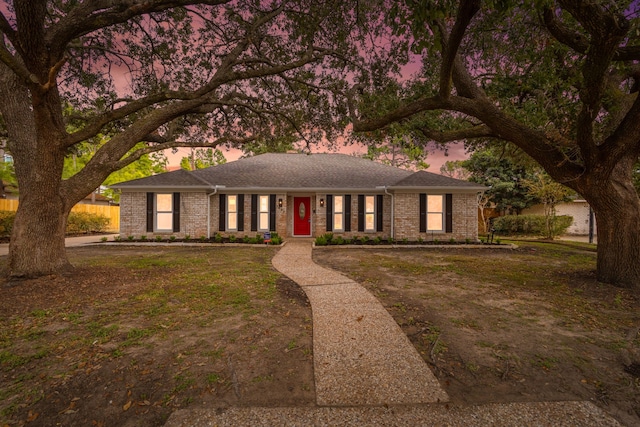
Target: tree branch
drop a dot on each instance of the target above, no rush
(16, 66)
(579, 43)
(135, 155)
(451, 44)
(92, 15)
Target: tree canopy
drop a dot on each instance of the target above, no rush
(152, 75)
(558, 79)
(507, 181)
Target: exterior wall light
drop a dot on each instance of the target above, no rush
(279, 203)
(322, 203)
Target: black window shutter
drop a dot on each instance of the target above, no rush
(222, 224)
(423, 213)
(272, 212)
(360, 212)
(448, 211)
(254, 212)
(176, 212)
(329, 212)
(150, 197)
(379, 209)
(240, 208)
(347, 212)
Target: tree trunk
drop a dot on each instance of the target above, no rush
(617, 209)
(37, 240)
(36, 134)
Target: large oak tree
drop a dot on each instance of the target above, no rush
(559, 79)
(164, 73)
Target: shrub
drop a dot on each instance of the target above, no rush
(321, 240)
(275, 239)
(6, 222)
(530, 224)
(85, 222)
(232, 239)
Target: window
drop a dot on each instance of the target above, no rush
(263, 214)
(232, 212)
(435, 212)
(370, 213)
(338, 213)
(164, 212)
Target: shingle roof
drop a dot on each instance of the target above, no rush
(299, 171)
(176, 179)
(428, 179)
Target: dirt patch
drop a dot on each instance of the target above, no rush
(136, 333)
(510, 326)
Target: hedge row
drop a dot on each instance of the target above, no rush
(534, 225)
(77, 223)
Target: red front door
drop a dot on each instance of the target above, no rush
(302, 216)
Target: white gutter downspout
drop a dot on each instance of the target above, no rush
(392, 210)
(215, 190)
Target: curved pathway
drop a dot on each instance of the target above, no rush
(361, 356)
(367, 372)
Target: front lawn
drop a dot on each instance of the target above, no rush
(530, 324)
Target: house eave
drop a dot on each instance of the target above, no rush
(444, 189)
(226, 189)
(192, 188)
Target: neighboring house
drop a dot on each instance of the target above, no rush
(96, 199)
(300, 195)
(578, 209)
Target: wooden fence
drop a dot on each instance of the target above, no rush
(111, 212)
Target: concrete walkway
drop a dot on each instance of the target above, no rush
(360, 354)
(367, 372)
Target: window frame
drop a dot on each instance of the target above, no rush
(441, 213)
(262, 212)
(371, 214)
(157, 212)
(338, 225)
(230, 212)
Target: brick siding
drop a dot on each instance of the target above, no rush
(193, 216)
